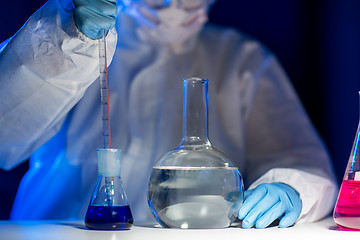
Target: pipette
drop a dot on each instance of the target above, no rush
(104, 88)
(105, 109)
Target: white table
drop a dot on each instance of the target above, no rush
(53, 230)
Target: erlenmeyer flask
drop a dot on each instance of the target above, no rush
(347, 209)
(195, 185)
(109, 208)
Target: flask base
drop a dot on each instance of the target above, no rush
(347, 223)
(109, 226)
(108, 218)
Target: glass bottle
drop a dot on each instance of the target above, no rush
(109, 208)
(347, 209)
(195, 185)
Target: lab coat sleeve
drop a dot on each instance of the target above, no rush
(46, 68)
(281, 142)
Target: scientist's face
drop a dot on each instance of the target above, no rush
(167, 21)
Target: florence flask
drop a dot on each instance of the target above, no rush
(195, 185)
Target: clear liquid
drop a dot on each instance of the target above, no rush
(347, 209)
(195, 197)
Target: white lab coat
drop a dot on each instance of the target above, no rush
(48, 81)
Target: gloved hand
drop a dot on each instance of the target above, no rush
(268, 202)
(92, 16)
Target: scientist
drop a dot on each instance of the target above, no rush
(51, 112)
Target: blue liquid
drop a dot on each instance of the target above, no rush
(109, 218)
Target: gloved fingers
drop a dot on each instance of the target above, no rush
(247, 193)
(93, 19)
(102, 7)
(275, 212)
(261, 208)
(293, 196)
(289, 219)
(268, 202)
(93, 16)
(251, 200)
(91, 2)
(294, 207)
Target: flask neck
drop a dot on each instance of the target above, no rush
(109, 162)
(195, 112)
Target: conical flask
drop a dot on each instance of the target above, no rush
(195, 185)
(109, 208)
(347, 209)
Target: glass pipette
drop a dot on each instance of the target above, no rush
(105, 109)
(104, 87)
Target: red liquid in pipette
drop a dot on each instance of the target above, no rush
(347, 209)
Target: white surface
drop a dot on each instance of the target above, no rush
(52, 230)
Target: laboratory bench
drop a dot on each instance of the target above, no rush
(67, 230)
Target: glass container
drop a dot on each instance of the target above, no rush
(195, 185)
(347, 209)
(109, 208)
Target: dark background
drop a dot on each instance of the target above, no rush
(317, 42)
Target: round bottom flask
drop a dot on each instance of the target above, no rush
(195, 185)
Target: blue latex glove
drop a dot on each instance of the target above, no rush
(92, 16)
(268, 202)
